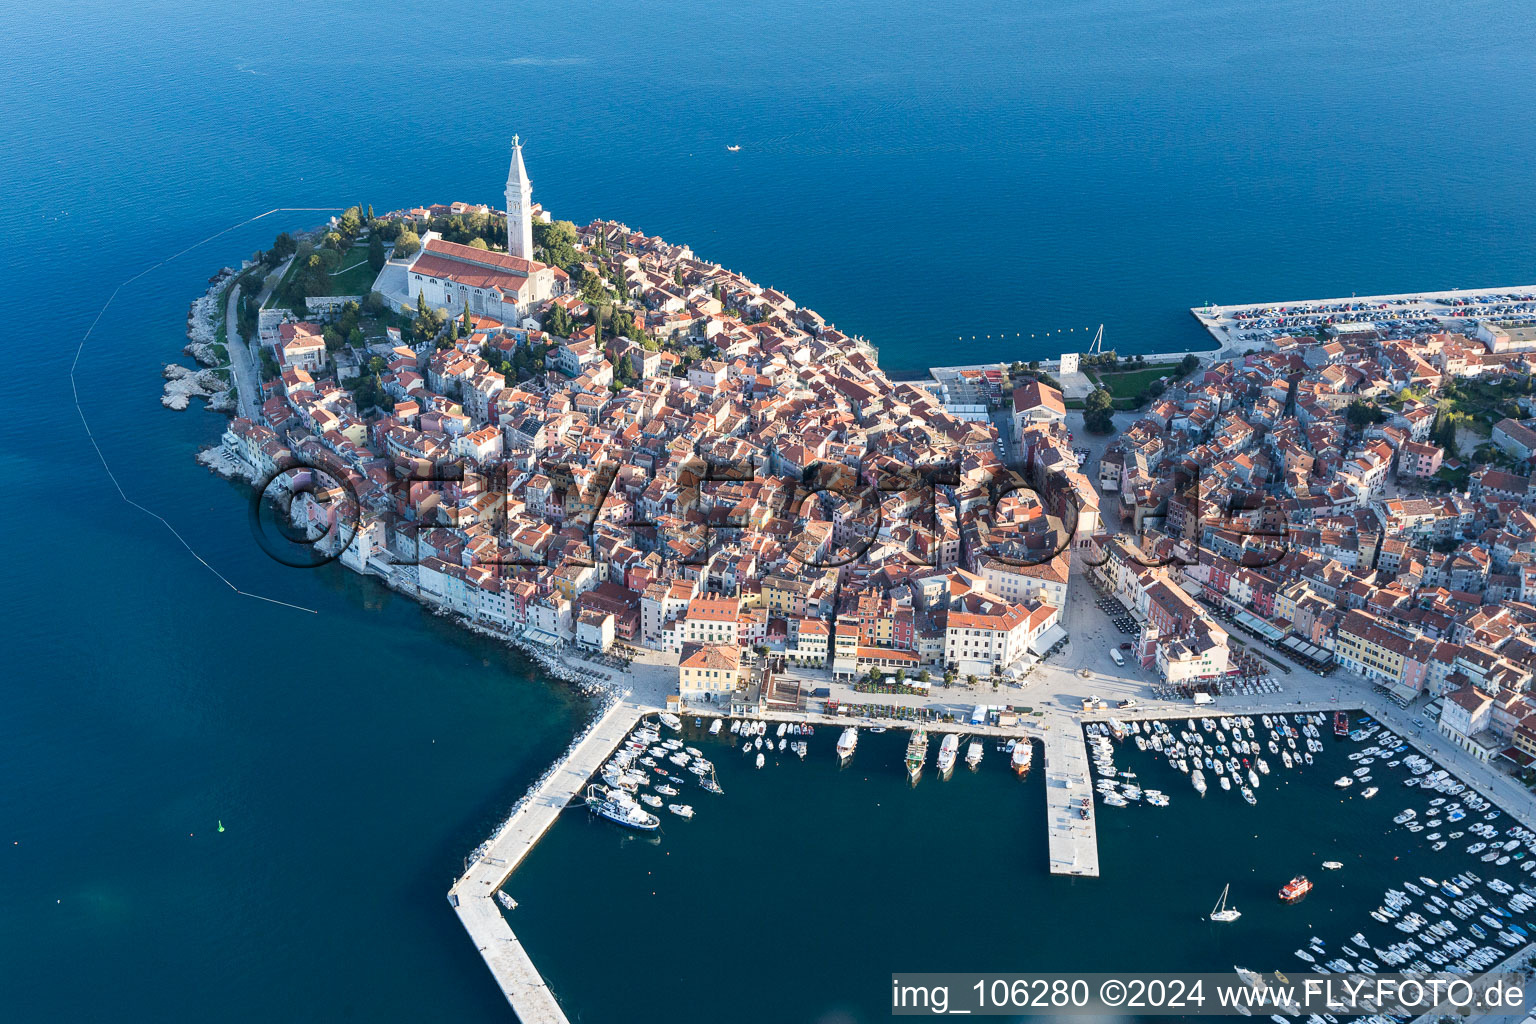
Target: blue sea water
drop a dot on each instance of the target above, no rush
(917, 172)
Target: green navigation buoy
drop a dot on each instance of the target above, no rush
(221, 825)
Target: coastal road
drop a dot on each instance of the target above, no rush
(241, 363)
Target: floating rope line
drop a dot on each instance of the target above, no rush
(1020, 334)
(75, 389)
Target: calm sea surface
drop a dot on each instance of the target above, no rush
(916, 172)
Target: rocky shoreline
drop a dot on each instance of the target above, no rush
(184, 384)
(215, 458)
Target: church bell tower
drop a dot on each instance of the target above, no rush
(519, 206)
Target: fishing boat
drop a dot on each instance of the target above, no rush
(1332, 865)
(917, 753)
(846, 743)
(760, 759)
(1023, 751)
(505, 900)
(733, 149)
(714, 727)
(1295, 889)
(1343, 782)
(1340, 723)
(1223, 913)
(670, 720)
(1369, 792)
(1197, 779)
(973, 752)
(681, 810)
(709, 785)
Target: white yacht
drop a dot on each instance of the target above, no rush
(620, 808)
(949, 752)
(973, 754)
(845, 744)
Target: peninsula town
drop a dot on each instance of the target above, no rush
(602, 446)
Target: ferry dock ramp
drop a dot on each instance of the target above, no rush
(473, 895)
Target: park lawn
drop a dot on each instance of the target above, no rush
(1130, 384)
(355, 277)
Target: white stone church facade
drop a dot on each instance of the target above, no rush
(502, 285)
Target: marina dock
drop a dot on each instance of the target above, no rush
(1073, 839)
(1450, 307)
(473, 895)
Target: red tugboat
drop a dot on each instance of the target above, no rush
(1295, 889)
(1340, 724)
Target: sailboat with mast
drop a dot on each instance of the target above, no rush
(1223, 913)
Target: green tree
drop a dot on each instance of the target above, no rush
(593, 288)
(1187, 364)
(558, 322)
(1362, 414)
(283, 246)
(555, 243)
(1098, 411)
(407, 243)
(478, 243)
(376, 252)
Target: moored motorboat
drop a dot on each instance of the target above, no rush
(949, 753)
(846, 744)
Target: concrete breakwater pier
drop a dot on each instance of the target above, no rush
(1073, 837)
(473, 895)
